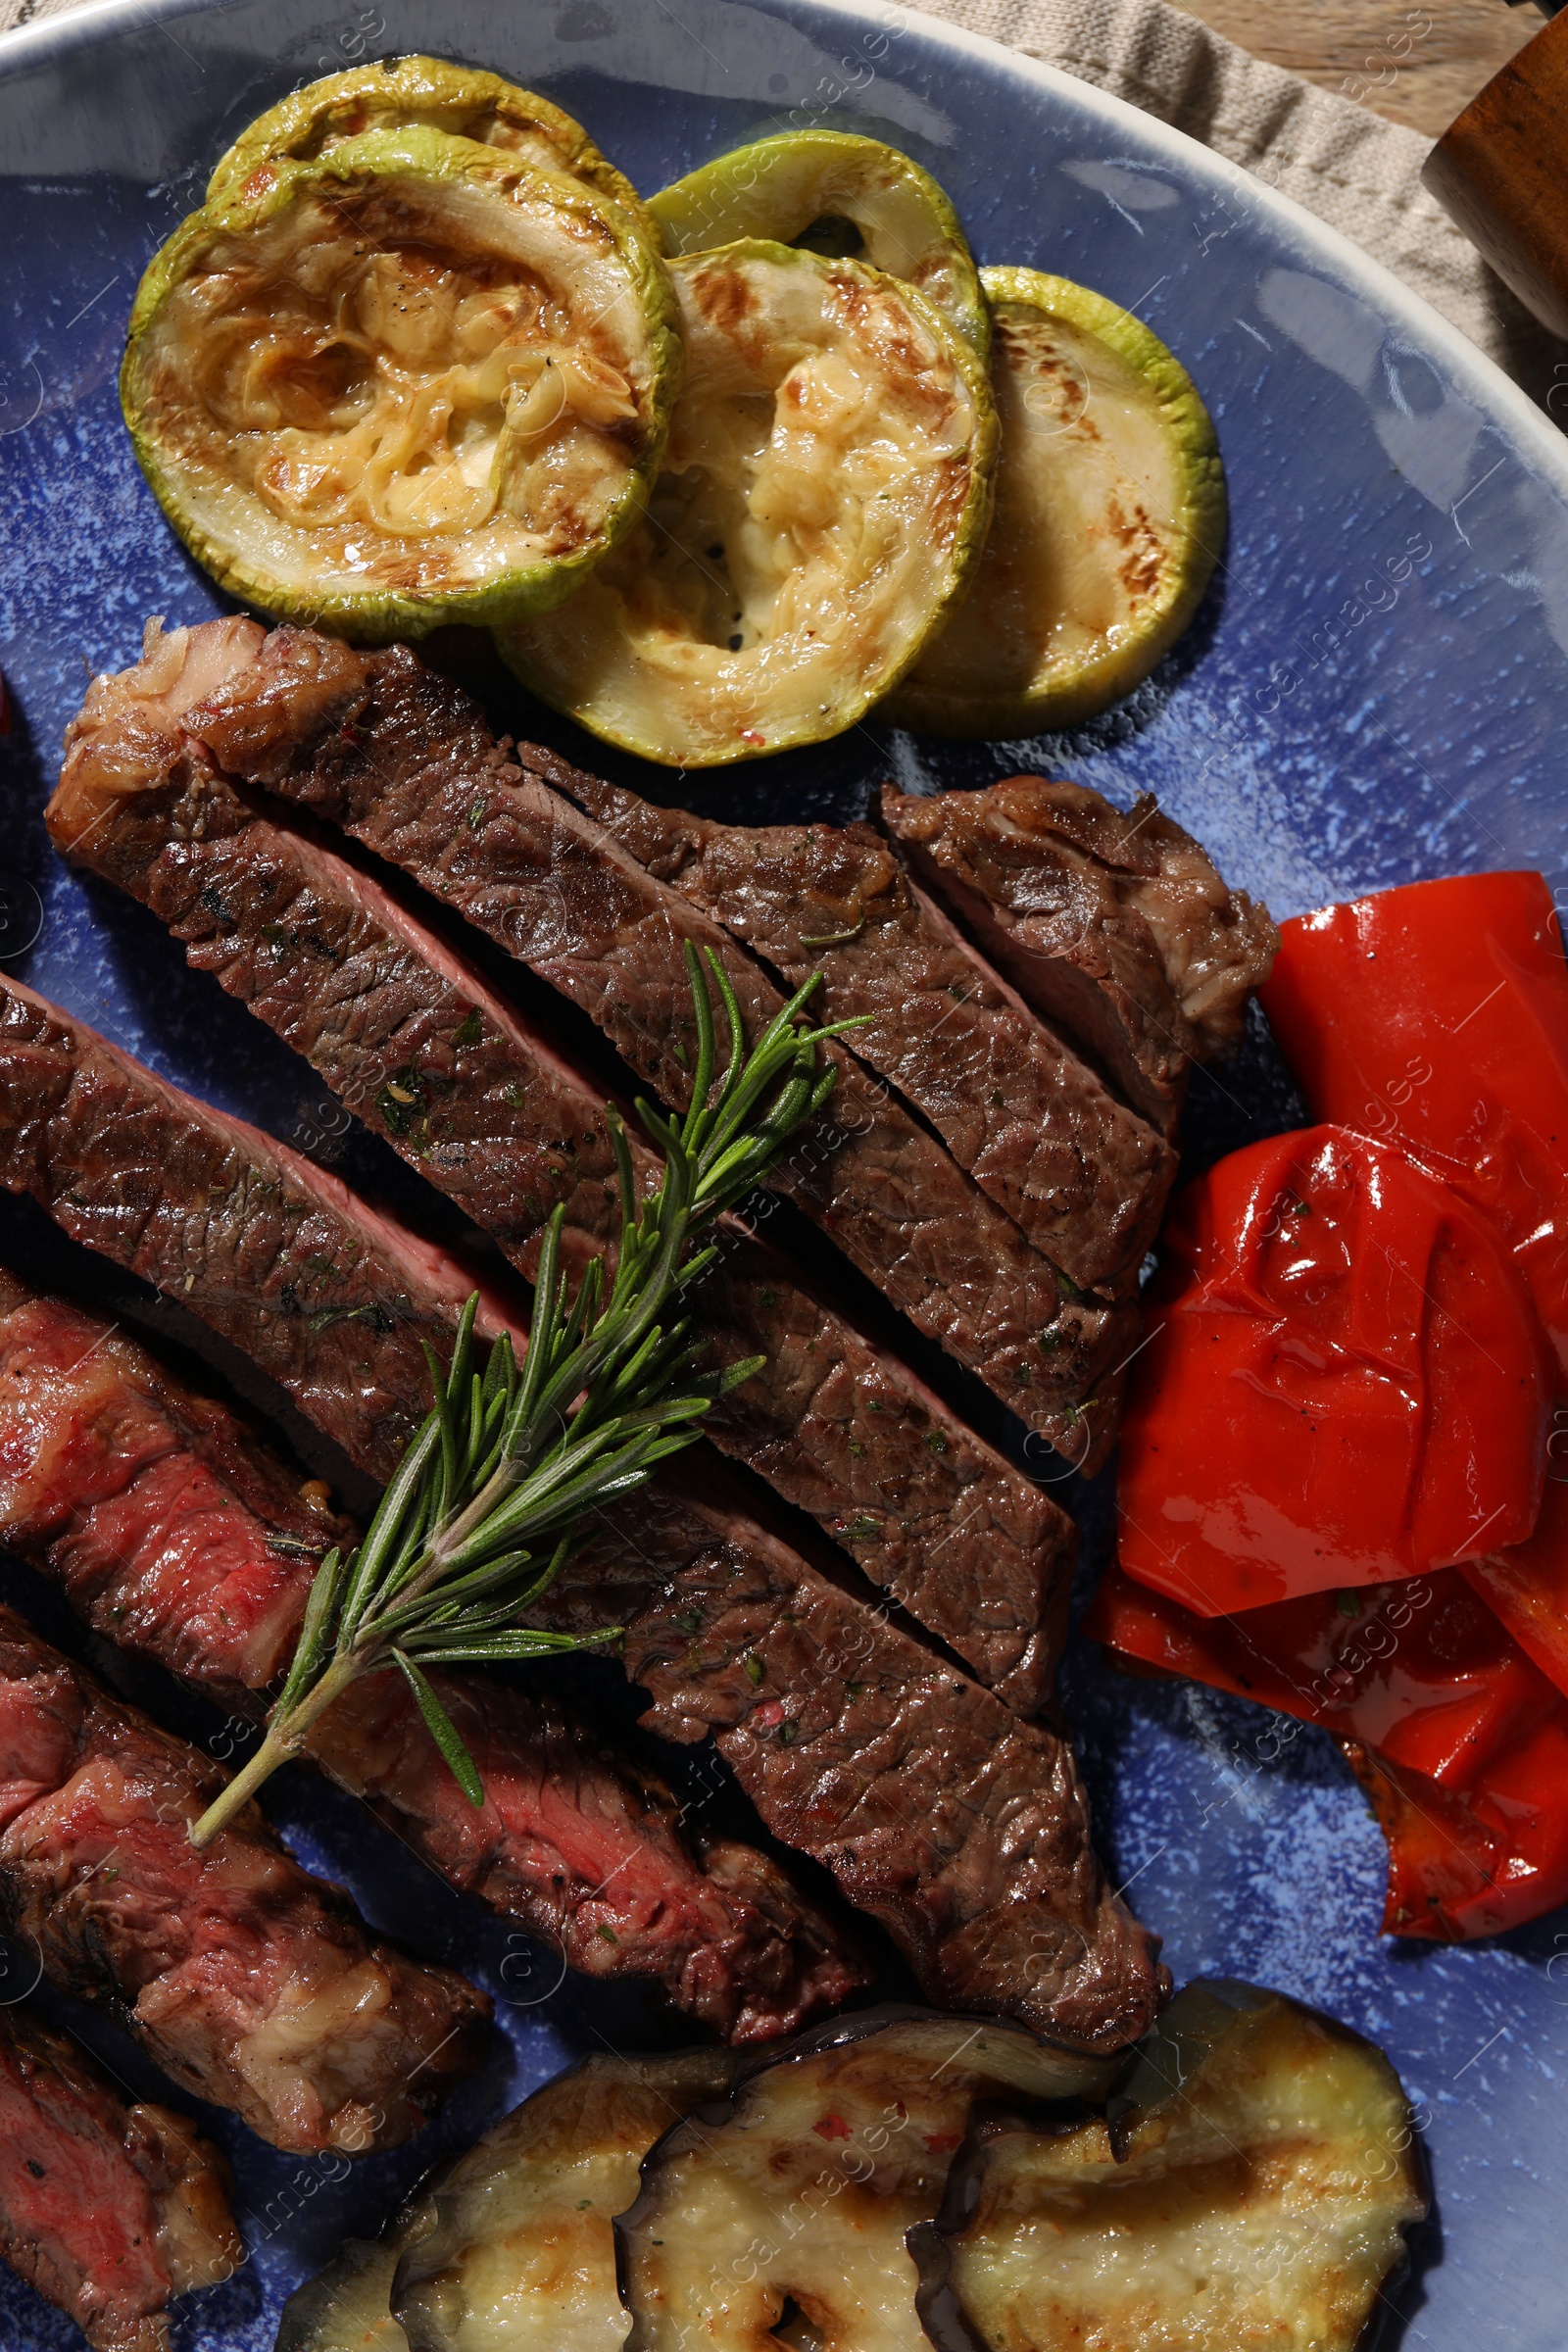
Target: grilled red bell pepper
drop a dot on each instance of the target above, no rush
(1436, 1015)
(1345, 1382)
(1527, 1585)
(1462, 1743)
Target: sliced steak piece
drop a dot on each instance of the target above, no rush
(965, 1831)
(250, 1982)
(1084, 1177)
(108, 2210)
(177, 1533)
(423, 1050)
(403, 759)
(265, 1246)
(1055, 1940)
(1114, 923)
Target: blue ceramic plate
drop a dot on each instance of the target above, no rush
(1375, 690)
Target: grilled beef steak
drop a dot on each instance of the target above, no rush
(1020, 1922)
(1116, 924)
(1084, 1177)
(250, 1982)
(965, 1831)
(265, 1246)
(398, 757)
(107, 2209)
(419, 1046)
(177, 1533)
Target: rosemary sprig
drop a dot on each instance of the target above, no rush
(482, 1511)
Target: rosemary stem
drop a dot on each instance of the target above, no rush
(284, 1739)
(603, 1393)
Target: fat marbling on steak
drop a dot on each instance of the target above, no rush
(403, 759)
(1084, 1177)
(1114, 923)
(964, 1829)
(107, 2209)
(474, 1094)
(179, 1535)
(250, 1982)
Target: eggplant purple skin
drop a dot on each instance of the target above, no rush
(836, 2034)
(938, 2306)
(942, 2315)
(833, 2035)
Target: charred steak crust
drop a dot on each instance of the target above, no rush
(250, 1982)
(1061, 1941)
(419, 1047)
(175, 1533)
(400, 759)
(965, 1831)
(108, 2210)
(1084, 1177)
(1114, 923)
(268, 1248)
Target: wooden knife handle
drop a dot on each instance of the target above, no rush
(1501, 173)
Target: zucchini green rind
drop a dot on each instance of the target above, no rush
(1109, 518)
(409, 382)
(785, 2218)
(824, 496)
(1254, 2185)
(841, 195)
(410, 94)
(518, 2249)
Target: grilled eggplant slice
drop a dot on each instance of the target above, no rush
(409, 382)
(1253, 2187)
(1110, 517)
(849, 198)
(825, 492)
(346, 2309)
(789, 2216)
(409, 93)
(514, 2251)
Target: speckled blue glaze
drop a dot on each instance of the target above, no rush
(1375, 690)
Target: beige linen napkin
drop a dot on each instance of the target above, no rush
(1348, 167)
(1361, 174)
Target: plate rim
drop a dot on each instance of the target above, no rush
(26, 47)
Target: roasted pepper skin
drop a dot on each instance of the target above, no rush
(1345, 1382)
(1460, 1742)
(1436, 1016)
(1430, 1025)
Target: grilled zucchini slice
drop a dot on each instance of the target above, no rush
(824, 495)
(518, 2253)
(837, 194)
(409, 382)
(1110, 517)
(1253, 2186)
(409, 93)
(790, 2215)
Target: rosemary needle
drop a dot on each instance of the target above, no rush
(481, 1513)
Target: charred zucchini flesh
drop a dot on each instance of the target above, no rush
(412, 381)
(789, 2217)
(1255, 2187)
(849, 198)
(824, 495)
(410, 94)
(1109, 518)
(518, 2253)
